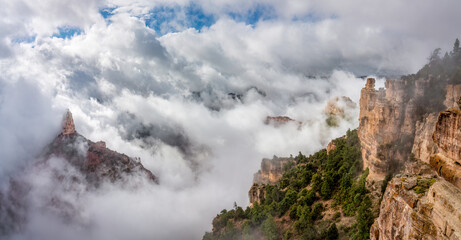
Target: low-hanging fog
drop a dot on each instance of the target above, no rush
(187, 91)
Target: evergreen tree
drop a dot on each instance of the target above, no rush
(269, 228)
(435, 56)
(316, 182)
(456, 48)
(327, 186)
(332, 232)
(364, 220)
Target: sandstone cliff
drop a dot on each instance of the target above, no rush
(420, 207)
(390, 117)
(408, 211)
(447, 138)
(382, 120)
(270, 173)
(271, 170)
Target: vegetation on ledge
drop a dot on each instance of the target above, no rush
(319, 197)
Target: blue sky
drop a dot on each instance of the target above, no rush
(174, 17)
(68, 32)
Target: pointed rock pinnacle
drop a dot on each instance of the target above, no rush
(68, 125)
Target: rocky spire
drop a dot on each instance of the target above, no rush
(370, 84)
(68, 126)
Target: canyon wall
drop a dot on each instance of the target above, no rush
(271, 170)
(424, 202)
(387, 125)
(409, 211)
(447, 137)
(399, 119)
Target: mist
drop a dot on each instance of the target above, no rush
(188, 97)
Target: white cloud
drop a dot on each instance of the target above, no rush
(119, 78)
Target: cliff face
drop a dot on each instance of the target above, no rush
(257, 193)
(271, 170)
(438, 143)
(410, 211)
(386, 117)
(394, 118)
(453, 93)
(424, 146)
(447, 138)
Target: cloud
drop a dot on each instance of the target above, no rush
(188, 97)
(27, 124)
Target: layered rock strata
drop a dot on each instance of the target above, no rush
(409, 211)
(384, 121)
(447, 138)
(390, 116)
(271, 170)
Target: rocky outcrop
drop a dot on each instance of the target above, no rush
(453, 93)
(419, 207)
(271, 170)
(330, 147)
(383, 122)
(408, 211)
(68, 124)
(424, 146)
(390, 117)
(257, 193)
(447, 134)
(93, 159)
(447, 138)
(68, 167)
(278, 121)
(437, 142)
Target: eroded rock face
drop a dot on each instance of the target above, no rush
(437, 142)
(452, 96)
(383, 122)
(271, 170)
(433, 214)
(68, 124)
(436, 214)
(424, 146)
(389, 119)
(93, 159)
(257, 193)
(330, 147)
(447, 134)
(447, 140)
(68, 168)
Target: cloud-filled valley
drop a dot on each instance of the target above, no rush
(186, 87)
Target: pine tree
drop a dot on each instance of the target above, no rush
(364, 220)
(456, 48)
(270, 228)
(332, 232)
